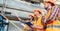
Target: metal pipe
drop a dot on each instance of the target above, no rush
(3, 7)
(17, 9)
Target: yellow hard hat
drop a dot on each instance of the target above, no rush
(38, 10)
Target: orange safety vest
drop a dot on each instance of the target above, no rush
(39, 21)
(54, 26)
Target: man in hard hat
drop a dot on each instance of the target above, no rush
(31, 25)
(38, 18)
(37, 14)
(50, 17)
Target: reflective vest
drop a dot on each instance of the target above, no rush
(54, 26)
(38, 22)
(34, 22)
(48, 14)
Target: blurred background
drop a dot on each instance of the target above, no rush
(22, 8)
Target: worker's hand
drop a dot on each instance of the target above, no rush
(37, 27)
(19, 18)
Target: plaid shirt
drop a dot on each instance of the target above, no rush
(52, 16)
(58, 12)
(54, 13)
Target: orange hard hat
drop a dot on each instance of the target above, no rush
(51, 2)
(38, 10)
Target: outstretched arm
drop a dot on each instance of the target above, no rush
(30, 24)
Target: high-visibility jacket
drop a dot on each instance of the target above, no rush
(38, 22)
(34, 22)
(54, 26)
(48, 13)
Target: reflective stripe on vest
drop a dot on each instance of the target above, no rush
(53, 26)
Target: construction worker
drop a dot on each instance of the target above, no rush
(37, 14)
(30, 25)
(49, 21)
(38, 17)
